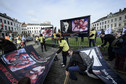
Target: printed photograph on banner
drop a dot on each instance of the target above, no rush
(80, 25)
(18, 59)
(33, 72)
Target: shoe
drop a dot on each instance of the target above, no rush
(72, 78)
(63, 65)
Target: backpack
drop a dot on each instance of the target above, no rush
(118, 42)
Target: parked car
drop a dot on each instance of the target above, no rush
(29, 38)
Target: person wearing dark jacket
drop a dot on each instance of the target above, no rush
(120, 54)
(108, 38)
(76, 64)
(64, 47)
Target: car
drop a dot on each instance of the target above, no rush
(29, 38)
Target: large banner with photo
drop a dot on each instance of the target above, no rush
(47, 31)
(24, 62)
(75, 26)
(100, 68)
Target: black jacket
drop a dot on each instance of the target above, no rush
(76, 60)
(108, 38)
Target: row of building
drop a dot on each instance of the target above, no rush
(11, 25)
(116, 21)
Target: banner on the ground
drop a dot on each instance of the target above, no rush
(100, 68)
(24, 62)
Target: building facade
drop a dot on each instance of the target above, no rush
(9, 25)
(34, 29)
(116, 21)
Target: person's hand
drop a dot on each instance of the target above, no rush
(99, 45)
(67, 73)
(56, 54)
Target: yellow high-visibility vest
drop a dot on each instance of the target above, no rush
(64, 44)
(92, 32)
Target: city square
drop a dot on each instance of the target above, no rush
(62, 42)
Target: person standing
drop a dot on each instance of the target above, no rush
(54, 38)
(63, 47)
(108, 38)
(42, 41)
(120, 53)
(19, 39)
(92, 37)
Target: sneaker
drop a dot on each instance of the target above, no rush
(63, 65)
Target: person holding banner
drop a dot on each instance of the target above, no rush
(76, 64)
(64, 47)
(42, 41)
(108, 38)
(92, 37)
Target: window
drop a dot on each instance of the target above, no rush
(97, 24)
(111, 20)
(108, 26)
(4, 21)
(115, 24)
(105, 26)
(9, 28)
(102, 23)
(111, 25)
(119, 24)
(5, 27)
(108, 21)
(11, 23)
(125, 16)
(12, 28)
(115, 19)
(0, 20)
(120, 18)
(105, 22)
(124, 24)
(8, 22)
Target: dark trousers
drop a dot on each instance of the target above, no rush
(119, 61)
(72, 71)
(111, 54)
(102, 39)
(64, 55)
(91, 41)
(43, 45)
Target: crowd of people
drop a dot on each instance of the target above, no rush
(116, 50)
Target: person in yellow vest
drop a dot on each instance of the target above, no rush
(54, 38)
(42, 42)
(37, 40)
(92, 37)
(59, 32)
(19, 39)
(64, 47)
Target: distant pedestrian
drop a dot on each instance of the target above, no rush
(92, 37)
(42, 42)
(54, 38)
